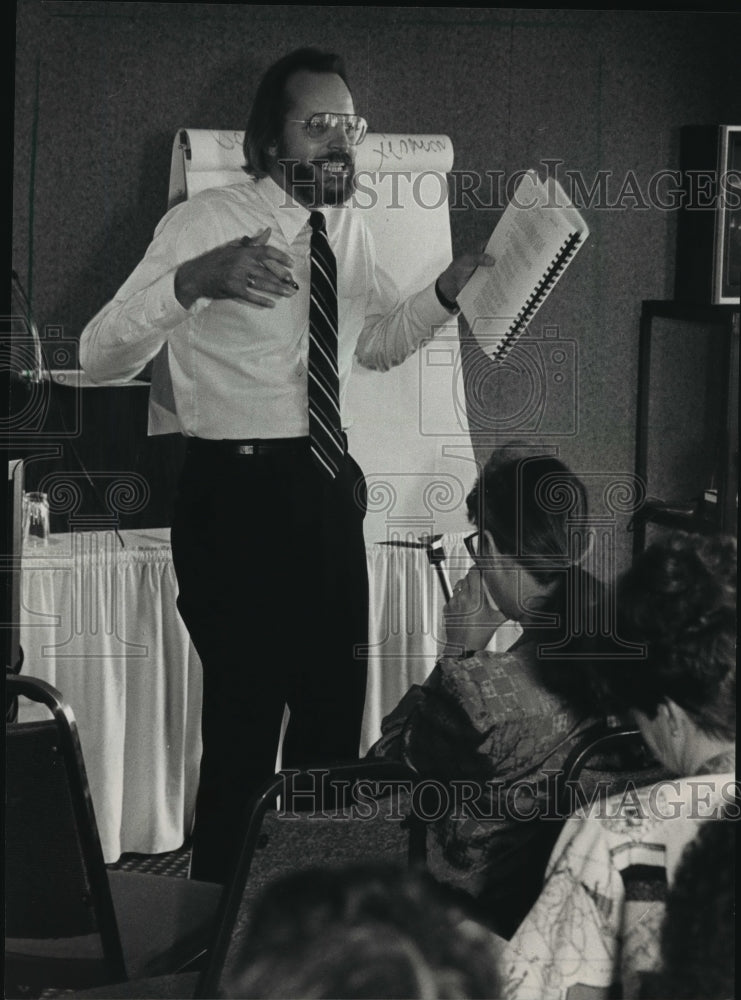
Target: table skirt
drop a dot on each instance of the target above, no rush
(99, 622)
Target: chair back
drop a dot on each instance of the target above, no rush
(603, 758)
(347, 813)
(603, 762)
(56, 884)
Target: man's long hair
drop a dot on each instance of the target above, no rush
(271, 104)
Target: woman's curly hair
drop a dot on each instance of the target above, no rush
(679, 602)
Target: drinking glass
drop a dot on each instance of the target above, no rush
(35, 518)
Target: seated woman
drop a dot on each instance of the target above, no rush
(595, 929)
(495, 727)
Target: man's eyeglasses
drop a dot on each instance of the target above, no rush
(322, 123)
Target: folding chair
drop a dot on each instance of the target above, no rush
(357, 812)
(69, 922)
(608, 757)
(603, 759)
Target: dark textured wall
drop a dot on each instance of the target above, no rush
(102, 87)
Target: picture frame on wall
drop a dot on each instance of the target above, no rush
(708, 269)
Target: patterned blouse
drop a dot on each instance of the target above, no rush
(595, 929)
(486, 733)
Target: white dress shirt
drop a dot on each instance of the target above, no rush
(240, 370)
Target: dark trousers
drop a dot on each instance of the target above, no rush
(273, 589)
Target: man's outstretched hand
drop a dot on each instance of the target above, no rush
(243, 269)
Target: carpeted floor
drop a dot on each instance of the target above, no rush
(174, 863)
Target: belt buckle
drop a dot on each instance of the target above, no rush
(246, 449)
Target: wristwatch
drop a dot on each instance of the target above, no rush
(452, 307)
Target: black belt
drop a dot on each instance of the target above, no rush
(252, 446)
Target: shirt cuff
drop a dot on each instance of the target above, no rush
(491, 646)
(429, 309)
(505, 636)
(445, 302)
(162, 309)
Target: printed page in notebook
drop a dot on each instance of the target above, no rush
(528, 244)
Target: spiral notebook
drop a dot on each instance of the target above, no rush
(533, 243)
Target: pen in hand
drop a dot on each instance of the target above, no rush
(248, 241)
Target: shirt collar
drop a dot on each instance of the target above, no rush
(290, 215)
(720, 763)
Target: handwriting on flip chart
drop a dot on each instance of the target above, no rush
(382, 152)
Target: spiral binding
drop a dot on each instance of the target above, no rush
(558, 265)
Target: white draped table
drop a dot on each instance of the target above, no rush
(99, 622)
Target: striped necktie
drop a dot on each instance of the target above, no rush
(325, 429)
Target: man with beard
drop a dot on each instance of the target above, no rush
(267, 535)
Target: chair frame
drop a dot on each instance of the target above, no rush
(110, 899)
(90, 847)
(261, 802)
(599, 737)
